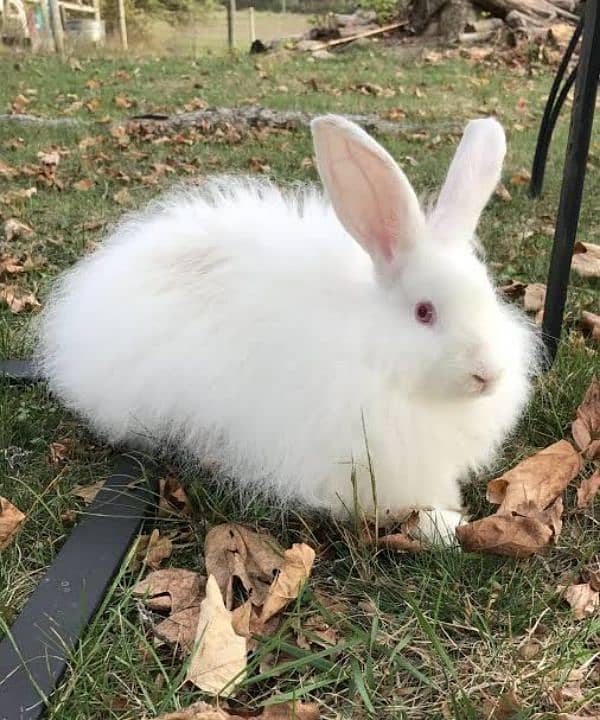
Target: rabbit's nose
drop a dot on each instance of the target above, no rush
(486, 379)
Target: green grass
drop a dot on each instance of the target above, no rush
(432, 636)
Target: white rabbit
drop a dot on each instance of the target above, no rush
(259, 329)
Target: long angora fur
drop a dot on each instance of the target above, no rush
(270, 334)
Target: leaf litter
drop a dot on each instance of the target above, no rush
(207, 621)
(11, 519)
(530, 504)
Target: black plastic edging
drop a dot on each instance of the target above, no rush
(35, 653)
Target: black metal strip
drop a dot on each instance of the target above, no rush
(34, 655)
(23, 370)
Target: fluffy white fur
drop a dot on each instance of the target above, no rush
(247, 326)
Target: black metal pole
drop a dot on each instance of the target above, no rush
(582, 118)
(551, 112)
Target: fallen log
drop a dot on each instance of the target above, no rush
(535, 8)
(358, 36)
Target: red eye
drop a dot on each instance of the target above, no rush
(425, 313)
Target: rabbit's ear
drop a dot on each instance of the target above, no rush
(472, 178)
(370, 194)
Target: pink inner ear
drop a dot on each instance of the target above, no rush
(369, 193)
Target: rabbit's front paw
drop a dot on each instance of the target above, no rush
(438, 526)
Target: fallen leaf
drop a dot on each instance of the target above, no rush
(586, 259)
(11, 519)
(502, 192)
(297, 564)
(587, 491)
(590, 322)
(586, 426)
(171, 590)
(18, 195)
(10, 265)
(259, 166)
(198, 711)
(536, 481)
(179, 629)
(512, 535)
(14, 229)
(173, 498)
(513, 289)
(286, 711)
(403, 541)
(18, 301)
(88, 492)
(522, 177)
(51, 158)
(59, 451)
(122, 197)
(83, 185)
(505, 708)
(583, 600)
(218, 663)
(535, 296)
(232, 550)
(291, 711)
(123, 101)
(152, 549)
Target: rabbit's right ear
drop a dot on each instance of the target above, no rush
(370, 194)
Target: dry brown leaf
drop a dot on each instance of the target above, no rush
(232, 550)
(297, 564)
(512, 535)
(122, 197)
(83, 185)
(14, 229)
(171, 590)
(88, 492)
(219, 661)
(173, 498)
(51, 158)
(152, 549)
(10, 265)
(403, 541)
(291, 711)
(18, 301)
(504, 708)
(503, 193)
(535, 296)
(590, 322)
(536, 481)
(513, 289)
(587, 491)
(586, 259)
(60, 451)
(13, 196)
(198, 711)
(179, 629)
(586, 426)
(584, 601)
(285, 711)
(11, 519)
(522, 177)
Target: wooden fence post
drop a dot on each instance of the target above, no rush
(252, 24)
(122, 25)
(231, 8)
(57, 28)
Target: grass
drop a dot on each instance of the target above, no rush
(439, 635)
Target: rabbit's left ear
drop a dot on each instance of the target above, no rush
(472, 178)
(370, 194)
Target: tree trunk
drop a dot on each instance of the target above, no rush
(422, 11)
(453, 17)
